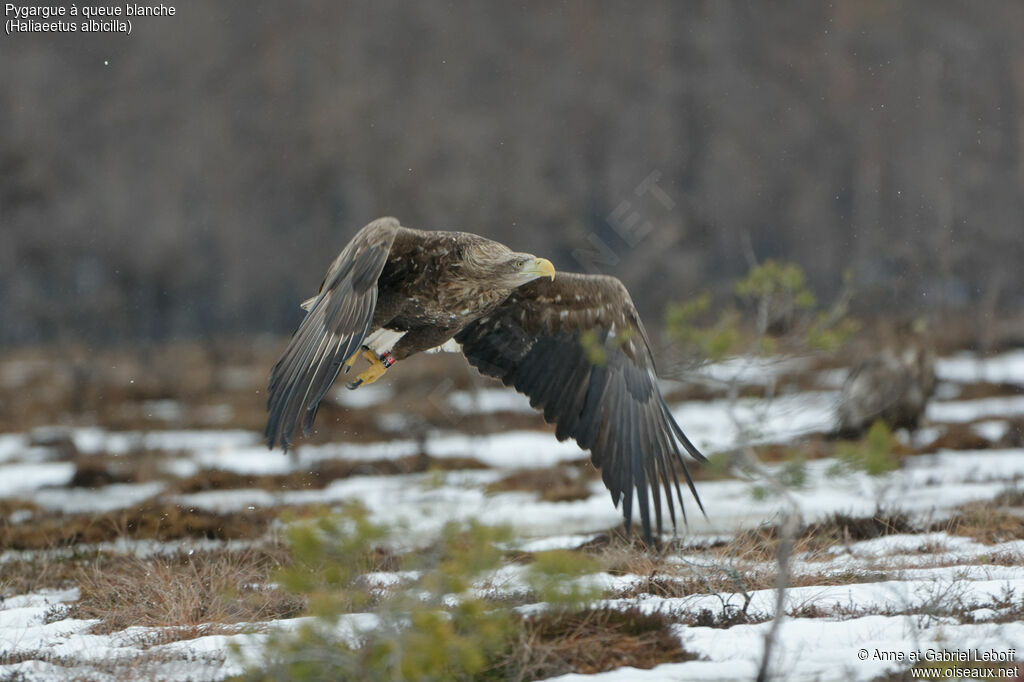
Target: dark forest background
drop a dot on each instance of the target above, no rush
(196, 177)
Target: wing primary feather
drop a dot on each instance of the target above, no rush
(686, 472)
(652, 457)
(611, 447)
(294, 405)
(569, 424)
(315, 377)
(690, 447)
(590, 418)
(572, 395)
(666, 466)
(296, 357)
(338, 317)
(637, 457)
(611, 407)
(322, 383)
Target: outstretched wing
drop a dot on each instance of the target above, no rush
(337, 320)
(577, 348)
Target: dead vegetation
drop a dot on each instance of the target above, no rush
(184, 589)
(977, 390)
(985, 522)
(156, 520)
(27, 575)
(814, 539)
(152, 664)
(186, 596)
(957, 437)
(591, 641)
(190, 385)
(563, 482)
(322, 474)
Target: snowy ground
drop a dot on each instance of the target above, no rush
(903, 592)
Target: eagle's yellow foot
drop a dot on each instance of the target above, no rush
(365, 351)
(378, 365)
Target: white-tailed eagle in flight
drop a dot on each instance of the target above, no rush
(573, 343)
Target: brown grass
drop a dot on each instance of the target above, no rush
(984, 389)
(147, 665)
(984, 522)
(814, 446)
(1006, 558)
(183, 590)
(591, 641)
(560, 483)
(96, 472)
(28, 575)
(957, 437)
(10, 505)
(1009, 498)
(322, 473)
(760, 544)
(156, 520)
(694, 391)
(215, 385)
(1014, 436)
(843, 529)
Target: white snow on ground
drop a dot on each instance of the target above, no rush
(227, 501)
(968, 368)
(964, 466)
(24, 630)
(256, 459)
(96, 500)
(164, 410)
(555, 542)
(992, 430)
(891, 614)
(489, 400)
(21, 478)
(969, 410)
(12, 445)
(366, 396)
(139, 548)
(823, 649)
(814, 649)
(749, 370)
(717, 425)
(423, 502)
(910, 596)
(910, 543)
(392, 449)
(513, 449)
(832, 378)
(820, 648)
(95, 439)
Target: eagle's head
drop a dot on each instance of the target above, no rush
(524, 267)
(505, 269)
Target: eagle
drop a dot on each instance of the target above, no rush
(573, 343)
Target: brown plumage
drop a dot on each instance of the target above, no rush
(573, 343)
(892, 386)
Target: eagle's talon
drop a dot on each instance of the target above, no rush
(367, 353)
(372, 373)
(351, 361)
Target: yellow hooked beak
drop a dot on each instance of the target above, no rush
(541, 267)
